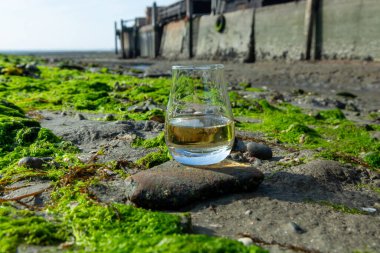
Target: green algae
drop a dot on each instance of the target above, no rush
(21, 137)
(23, 226)
(92, 227)
(157, 157)
(329, 130)
(73, 217)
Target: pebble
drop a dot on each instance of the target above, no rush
(259, 150)
(369, 209)
(248, 212)
(236, 157)
(79, 116)
(239, 146)
(31, 162)
(296, 228)
(257, 162)
(246, 241)
(109, 117)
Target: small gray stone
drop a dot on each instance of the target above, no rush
(248, 212)
(296, 228)
(259, 150)
(172, 185)
(80, 116)
(236, 157)
(109, 117)
(246, 241)
(31, 162)
(28, 190)
(239, 146)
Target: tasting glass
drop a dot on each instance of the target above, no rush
(199, 126)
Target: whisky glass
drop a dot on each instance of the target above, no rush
(199, 126)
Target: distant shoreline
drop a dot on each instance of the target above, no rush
(55, 52)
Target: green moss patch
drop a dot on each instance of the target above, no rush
(75, 219)
(329, 130)
(161, 155)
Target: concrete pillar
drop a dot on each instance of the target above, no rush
(116, 32)
(155, 32)
(189, 14)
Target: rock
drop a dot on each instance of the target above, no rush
(172, 185)
(246, 241)
(340, 105)
(369, 209)
(70, 67)
(110, 191)
(351, 107)
(248, 212)
(236, 157)
(318, 177)
(79, 116)
(346, 94)
(259, 150)
(109, 117)
(120, 87)
(31, 162)
(296, 228)
(239, 146)
(27, 190)
(26, 248)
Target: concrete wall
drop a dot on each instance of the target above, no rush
(146, 41)
(174, 42)
(345, 29)
(233, 43)
(351, 29)
(279, 31)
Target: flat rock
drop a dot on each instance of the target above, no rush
(172, 185)
(318, 177)
(24, 191)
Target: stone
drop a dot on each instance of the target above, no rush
(239, 146)
(259, 150)
(236, 157)
(246, 241)
(296, 228)
(369, 209)
(346, 94)
(80, 116)
(109, 117)
(27, 190)
(31, 162)
(172, 185)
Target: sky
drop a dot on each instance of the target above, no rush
(65, 24)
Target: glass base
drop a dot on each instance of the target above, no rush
(200, 156)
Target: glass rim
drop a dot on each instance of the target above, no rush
(198, 67)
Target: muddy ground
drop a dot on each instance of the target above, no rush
(296, 209)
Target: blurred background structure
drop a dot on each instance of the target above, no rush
(250, 30)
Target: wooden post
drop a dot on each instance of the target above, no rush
(309, 16)
(189, 14)
(116, 51)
